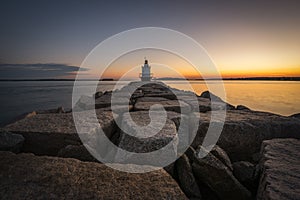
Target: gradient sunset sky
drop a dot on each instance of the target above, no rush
(244, 38)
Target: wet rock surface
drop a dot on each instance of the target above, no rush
(25, 176)
(280, 169)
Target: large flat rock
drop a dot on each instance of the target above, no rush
(45, 123)
(280, 166)
(197, 103)
(164, 133)
(170, 105)
(106, 100)
(157, 89)
(46, 134)
(25, 176)
(151, 99)
(103, 101)
(186, 101)
(142, 135)
(244, 131)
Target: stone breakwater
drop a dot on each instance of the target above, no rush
(256, 156)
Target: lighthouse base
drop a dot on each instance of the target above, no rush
(145, 78)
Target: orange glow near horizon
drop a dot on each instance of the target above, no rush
(263, 72)
(157, 58)
(191, 73)
(188, 71)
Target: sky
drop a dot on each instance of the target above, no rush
(50, 39)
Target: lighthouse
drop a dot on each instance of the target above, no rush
(146, 74)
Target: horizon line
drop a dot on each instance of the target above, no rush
(277, 78)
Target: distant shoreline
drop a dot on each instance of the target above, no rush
(238, 79)
(16, 80)
(170, 79)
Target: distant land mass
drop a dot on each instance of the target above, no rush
(172, 79)
(244, 78)
(54, 79)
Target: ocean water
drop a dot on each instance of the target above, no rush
(16, 98)
(280, 97)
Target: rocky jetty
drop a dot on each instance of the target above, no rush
(255, 156)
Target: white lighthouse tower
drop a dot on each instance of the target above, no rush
(146, 74)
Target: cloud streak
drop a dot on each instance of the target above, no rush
(38, 70)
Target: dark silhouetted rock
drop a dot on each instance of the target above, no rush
(60, 110)
(186, 178)
(219, 104)
(219, 153)
(218, 177)
(280, 170)
(98, 94)
(191, 154)
(171, 169)
(10, 141)
(209, 95)
(296, 115)
(25, 176)
(241, 107)
(245, 172)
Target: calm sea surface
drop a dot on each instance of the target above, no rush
(281, 97)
